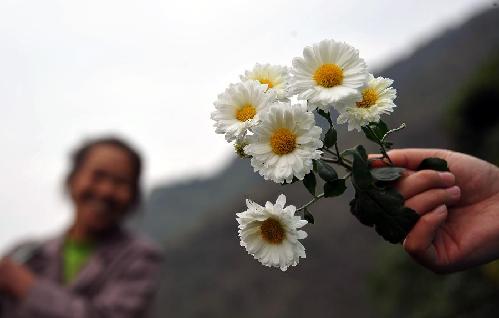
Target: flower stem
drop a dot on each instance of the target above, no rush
(381, 144)
(402, 126)
(337, 150)
(339, 159)
(342, 163)
(346, 176)
(306, 205)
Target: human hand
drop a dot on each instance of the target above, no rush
(15, 279)
(459, 224)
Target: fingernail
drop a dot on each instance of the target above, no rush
(441, 209)
(447, 178)
(454, 192)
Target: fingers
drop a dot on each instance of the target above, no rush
(431, 199)
(419, 242)
(424, 180)
(410, 158)
(429, 193)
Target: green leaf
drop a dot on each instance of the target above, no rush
(309, 182)
(369, 134)
(308, 216)
(330, 138)
(362, 178)
(375, 131)
(357, 150)
(387, 173)
(381, 207)
(433, 164)
(362, 152)
(326, 115)
(384, 209)
(326, 172)
(334, 188)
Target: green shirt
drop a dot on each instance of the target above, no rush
(74, 256)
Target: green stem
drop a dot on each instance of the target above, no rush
(330, 152)
(306, 205)
(338, 162)
(340, 159)
(346, 176)
(402, 126)
(337, 150)
(381, 145)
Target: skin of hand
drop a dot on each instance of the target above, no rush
(459, 224)
(15, 280)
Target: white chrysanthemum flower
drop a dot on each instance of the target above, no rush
(271, 233)
(284, 143)
(239, 145)
(329, 72)
(377, 99)
(240, 107)
(276, 78)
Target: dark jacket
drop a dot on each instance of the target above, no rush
(119, 281)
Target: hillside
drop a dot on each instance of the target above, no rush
(207, 273)
(172, 210)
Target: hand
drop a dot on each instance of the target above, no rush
(15, 279)
(459, 224)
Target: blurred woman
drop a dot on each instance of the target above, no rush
(95, 268)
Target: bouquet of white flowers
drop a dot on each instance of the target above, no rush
(269, 116)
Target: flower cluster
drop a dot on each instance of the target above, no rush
(269, 116)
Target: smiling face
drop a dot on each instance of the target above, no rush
(102, 188)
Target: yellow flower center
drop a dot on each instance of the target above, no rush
(328, 75)
(272, 231)
(369, 98)
(266, 81)
(246, 112)
(283, 141)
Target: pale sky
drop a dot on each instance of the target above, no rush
(150, 70)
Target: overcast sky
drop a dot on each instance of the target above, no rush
(150, 70)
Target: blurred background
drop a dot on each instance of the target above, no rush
(150, 70)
